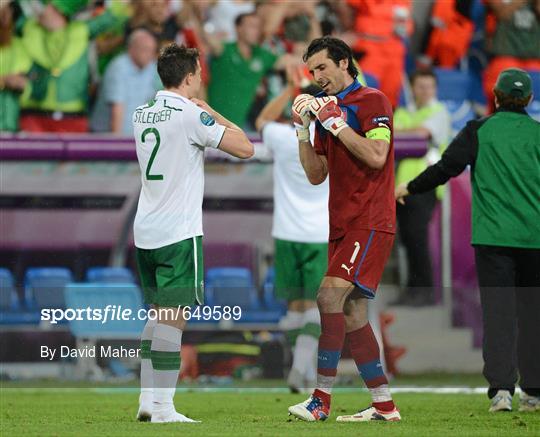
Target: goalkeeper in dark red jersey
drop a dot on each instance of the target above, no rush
(354, 148)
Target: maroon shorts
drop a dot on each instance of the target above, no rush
(359, 257)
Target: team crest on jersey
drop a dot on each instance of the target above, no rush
(207, 119)
(256, 65)
(383, 119)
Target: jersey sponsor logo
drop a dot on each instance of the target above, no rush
(207, 119)
(381, 120)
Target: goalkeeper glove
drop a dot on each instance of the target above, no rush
(328, 113)
(301, 116)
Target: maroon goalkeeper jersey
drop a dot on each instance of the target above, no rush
(360, 197)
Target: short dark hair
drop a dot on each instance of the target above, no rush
(240, 18)
(423, 72)
(337, 50)
(175, 63)
(508, 101)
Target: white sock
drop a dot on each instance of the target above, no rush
(311, 372)
(292, 320)
(147, 382)
(166, 341)
(305, 354)
(325, 383)
(381, 393)
(305, 349)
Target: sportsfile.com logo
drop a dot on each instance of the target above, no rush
(117, 313)
(108, 314)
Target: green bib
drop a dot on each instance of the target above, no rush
(59, 70)
(409, 168)
(13, 60)
(506, 182)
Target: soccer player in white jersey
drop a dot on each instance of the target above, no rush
(300, 231)
(171, 133)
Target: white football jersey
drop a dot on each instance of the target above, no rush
(300, 208)
(171, 133)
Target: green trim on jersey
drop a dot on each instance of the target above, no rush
(171, 107)
(172, 276)
(300, 268)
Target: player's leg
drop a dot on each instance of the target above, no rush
(496, 277)
(528, 343)
(367, 262)
(413, 219)
(148, 284)
(303, 372)
(314, 263)
(330, 300)
(366, 353)
(291, 324)
(287, 286)
(179, 279)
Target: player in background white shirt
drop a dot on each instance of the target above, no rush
(300, 231)
(171, 133)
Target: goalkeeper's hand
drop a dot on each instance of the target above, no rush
(328, 113)
(301, 116)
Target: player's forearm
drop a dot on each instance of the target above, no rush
(429, 179)
(373, 153)
(314, 166)
(236, 143)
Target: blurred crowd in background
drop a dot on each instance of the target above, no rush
(85, 65)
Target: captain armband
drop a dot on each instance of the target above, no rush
(379, 133)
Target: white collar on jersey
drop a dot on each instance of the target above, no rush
(171, 95)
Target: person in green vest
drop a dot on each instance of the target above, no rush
(14, 64)
(503, 151)
(237, 69)
(57, 98)
(426, 117)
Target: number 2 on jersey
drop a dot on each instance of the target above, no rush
(152, 130)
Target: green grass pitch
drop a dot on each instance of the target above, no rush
(111, 412)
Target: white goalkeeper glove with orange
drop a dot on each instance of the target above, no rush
(301, 116)
(328, 113)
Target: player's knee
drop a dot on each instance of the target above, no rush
(323, 299)
(332, 294)
(330, 300)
